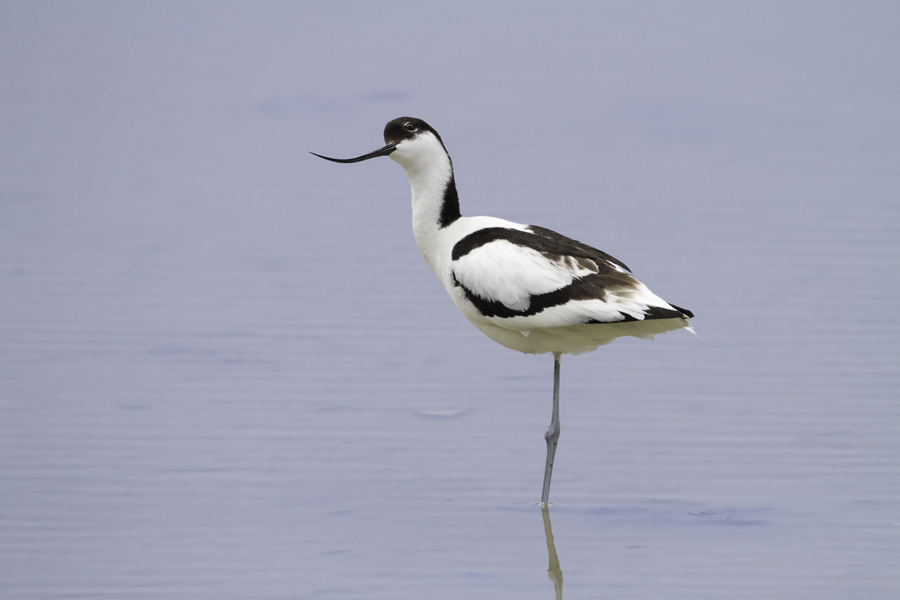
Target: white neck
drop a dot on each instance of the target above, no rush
(429, 170)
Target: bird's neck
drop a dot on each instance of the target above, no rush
(435, 203)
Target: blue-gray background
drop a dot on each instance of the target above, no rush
(226, 372)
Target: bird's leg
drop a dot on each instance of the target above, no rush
(552, 435)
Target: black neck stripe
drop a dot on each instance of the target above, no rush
(450, 206)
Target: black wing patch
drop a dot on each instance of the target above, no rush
(545, 241)
(558, 248)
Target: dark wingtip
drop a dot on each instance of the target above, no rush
(687, 314)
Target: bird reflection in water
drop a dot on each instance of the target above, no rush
(554, 571)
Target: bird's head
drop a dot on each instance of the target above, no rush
(410, 142)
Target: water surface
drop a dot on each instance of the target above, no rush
(226, 372)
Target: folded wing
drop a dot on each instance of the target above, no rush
(536, 278)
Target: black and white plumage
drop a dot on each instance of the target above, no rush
(525, 287)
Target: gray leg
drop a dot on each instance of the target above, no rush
(552, 435)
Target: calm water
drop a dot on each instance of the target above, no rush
(226, 372)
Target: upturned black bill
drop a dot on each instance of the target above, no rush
(380, 152)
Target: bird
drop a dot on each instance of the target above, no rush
(527, 288)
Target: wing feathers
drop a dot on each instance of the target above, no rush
(538, 278)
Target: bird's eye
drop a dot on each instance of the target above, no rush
(410, 127)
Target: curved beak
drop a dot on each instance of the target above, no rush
(380, 152)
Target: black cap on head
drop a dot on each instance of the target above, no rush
(407, 128)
